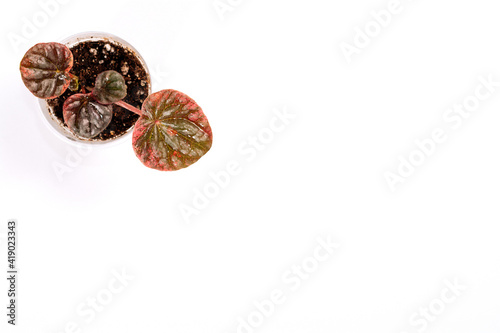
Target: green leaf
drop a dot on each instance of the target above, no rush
(86, 117)
(45, 69)
(109, 87)
(172, 133)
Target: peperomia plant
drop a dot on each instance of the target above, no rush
(171, 133)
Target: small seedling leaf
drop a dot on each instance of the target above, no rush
(109, 87)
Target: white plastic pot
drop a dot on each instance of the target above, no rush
(56, 126)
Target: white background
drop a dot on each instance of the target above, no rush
(322, 176)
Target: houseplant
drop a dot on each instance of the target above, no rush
(171, 131)
(93, 53)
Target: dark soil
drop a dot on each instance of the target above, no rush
(91, 58)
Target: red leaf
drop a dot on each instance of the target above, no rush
(45, 69)
(86, 117)
(172, 133)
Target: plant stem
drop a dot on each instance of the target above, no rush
(129, 107)
(73, 85)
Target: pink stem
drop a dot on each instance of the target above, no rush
(129, 107)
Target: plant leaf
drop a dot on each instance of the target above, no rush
(172, 133)
(86, 117)
(109, 87)
(45, 69)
